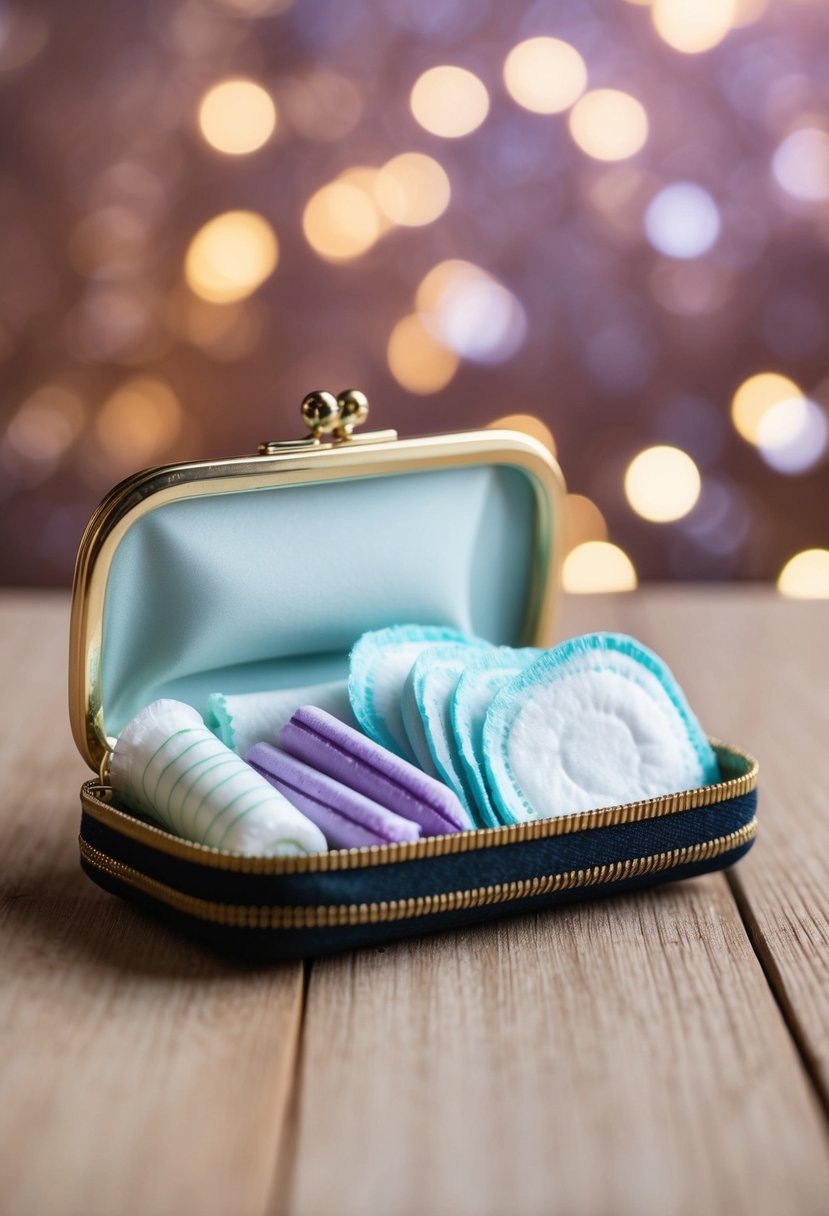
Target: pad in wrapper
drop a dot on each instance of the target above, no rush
(363, 765)
(347, 818)
(167, 764)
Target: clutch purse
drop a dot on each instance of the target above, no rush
(260, 572)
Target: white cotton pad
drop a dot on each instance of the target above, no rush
(425, 706)
(167, 764)
(479, 682)
(241, 720)
(379, 664)
(595, 722)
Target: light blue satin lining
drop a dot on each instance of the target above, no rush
(270, 588)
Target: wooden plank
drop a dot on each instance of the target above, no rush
(141, 1074)
(623, 1056)
(757, 668)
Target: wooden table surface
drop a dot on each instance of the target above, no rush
(658, 1053)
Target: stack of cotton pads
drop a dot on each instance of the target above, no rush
(528, 734)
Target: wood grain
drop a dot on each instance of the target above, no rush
(757, 668)
(618, 1057)
(140, 1074)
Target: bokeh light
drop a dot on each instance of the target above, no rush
(806, 575)
(412, 189)
(792, 435)
(692, 26)
(583, 522)
(231, 256)
(662, 484)
(755, 397)
(323, 106)
(341, 221)
(417, 360)
(597, 566)
(472, 313)
(608, 124)
(801, 164)
(47, 423)
(449, 101)
(138, 422)
(237, 117)
(545, 75)
(682, 221)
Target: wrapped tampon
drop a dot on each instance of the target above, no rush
(242, 719)
(167, 764)
(348, 819)
(348, 756)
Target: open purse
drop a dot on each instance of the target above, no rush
(260, 573)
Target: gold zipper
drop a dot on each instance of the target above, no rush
(240, 916)
(744, 770)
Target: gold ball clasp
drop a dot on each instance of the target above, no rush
(320, 412)
(353, 406)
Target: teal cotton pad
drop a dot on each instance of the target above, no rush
(379, 664)
(425, 707)
(595, 722)
(479, 682)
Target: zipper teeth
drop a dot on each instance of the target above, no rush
(241, 916)
(428, 846)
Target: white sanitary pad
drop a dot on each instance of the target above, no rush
(257, 717)
(594, 722)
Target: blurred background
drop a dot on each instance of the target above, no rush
(611, 216)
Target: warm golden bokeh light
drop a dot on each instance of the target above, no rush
(583, 522)
(692, 26)
(231, 256)
(138, 421)
(662, 484)
(806, 576)
(755, 397)
(608, 124)
(528, 424)
(341, 221)
(412, 189)
(237, 117)
(597, 566)
(449, 101)
(439, 279)
(545, 75)
(417, 360)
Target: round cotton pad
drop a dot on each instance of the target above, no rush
(379, 663)
(425, 706)
(479, 682)
(594, 722)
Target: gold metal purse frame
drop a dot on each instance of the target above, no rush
(312, 460)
